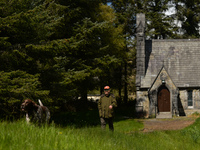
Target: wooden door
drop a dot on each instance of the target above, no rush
(163, 99)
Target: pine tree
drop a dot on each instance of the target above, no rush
(188, 13)
(15, 86)
(159, 25)
(65, 45)
(96, 47)
(125, 12)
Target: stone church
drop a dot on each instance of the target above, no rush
(168, 75)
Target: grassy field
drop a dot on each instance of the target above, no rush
(127, 136)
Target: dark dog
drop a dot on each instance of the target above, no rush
(34, 112)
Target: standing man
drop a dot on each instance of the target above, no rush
(105, 105)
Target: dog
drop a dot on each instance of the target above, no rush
(35, 113)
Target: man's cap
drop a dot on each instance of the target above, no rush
(106, 88)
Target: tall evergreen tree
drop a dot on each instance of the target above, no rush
(15, 86)
(67, 44)
(188, 13)
(125, 12)
(95, 46)
(159, 24)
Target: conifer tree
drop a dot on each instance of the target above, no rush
(159, 24)
(125, 12)
(65, 45)
(188, 13)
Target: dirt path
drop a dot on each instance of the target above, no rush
(167, 124)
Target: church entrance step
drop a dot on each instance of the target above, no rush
(164, 115)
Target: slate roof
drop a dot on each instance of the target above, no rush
(181, 59)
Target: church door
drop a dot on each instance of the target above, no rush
(163, 99)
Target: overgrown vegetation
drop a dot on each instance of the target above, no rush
(127, 135)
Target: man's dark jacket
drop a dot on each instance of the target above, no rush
(103, 106)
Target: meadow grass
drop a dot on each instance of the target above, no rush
(127, 136)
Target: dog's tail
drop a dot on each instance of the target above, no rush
(40, 102)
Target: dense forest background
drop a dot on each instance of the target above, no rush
(61, 50)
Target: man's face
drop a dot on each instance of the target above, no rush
(106, 91)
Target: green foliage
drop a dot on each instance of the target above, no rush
(126, 20)
(69, 45)
(193, 132)
(127, 135)
(15, 86)
(188, 14)
(159, 25)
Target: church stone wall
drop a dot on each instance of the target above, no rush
(196, 98)
(183, 98)
(142, 106)
(184, 101)
(143, 103)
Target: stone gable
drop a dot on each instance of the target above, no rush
(180, 58)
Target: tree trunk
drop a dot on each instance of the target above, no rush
(125, 84)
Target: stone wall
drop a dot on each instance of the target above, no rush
(196, 97)
(142, 104)
(184, 101)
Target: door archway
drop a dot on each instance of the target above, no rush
(163, 98)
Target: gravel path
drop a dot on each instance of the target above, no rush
(167, 124)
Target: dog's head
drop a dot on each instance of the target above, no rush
(27, 105)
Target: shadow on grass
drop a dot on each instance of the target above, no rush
(90, 117)
(80, 119)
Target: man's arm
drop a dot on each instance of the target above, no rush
(114, 102)
(99, 107)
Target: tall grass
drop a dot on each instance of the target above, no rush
(127, 136)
